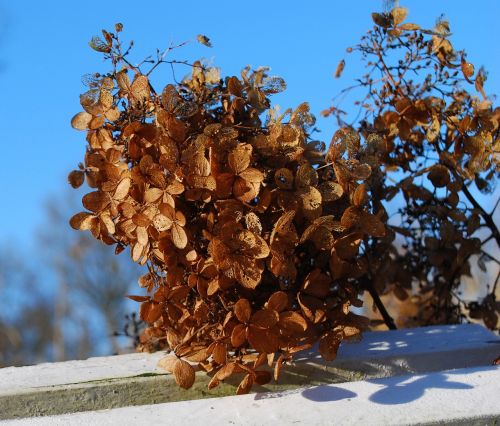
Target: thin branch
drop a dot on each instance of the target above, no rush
(496, 283)
(486, 217)
(388, 73)
(489, 256)
(368, 282)
(495, 207)
(389, 322)
(161, 58)
(487, 239)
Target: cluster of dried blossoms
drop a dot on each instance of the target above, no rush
(436, 142)
(257, 241)
(253, 252)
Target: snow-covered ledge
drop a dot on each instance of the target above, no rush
(375, 367)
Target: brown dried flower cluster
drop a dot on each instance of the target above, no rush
(439, 148)
(257, 239)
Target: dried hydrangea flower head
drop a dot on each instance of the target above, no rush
(258, 240)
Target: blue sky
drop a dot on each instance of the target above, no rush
(44, 53)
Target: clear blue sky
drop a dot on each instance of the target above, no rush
(44, 53)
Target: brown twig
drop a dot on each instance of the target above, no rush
(486, 216)
(389, 322)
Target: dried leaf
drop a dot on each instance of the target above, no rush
(122, 189)
(439, 175)
(329, 344)
(96, 201)
(278, 301)
(168, 363)
(399, 14)
(340, 68)
(76, 178)
(409, 27)
(203, 39)
(238, 335)
(243, 310)
(239, 158)
(467, 69)
(179, 236)
(184, 374)
(265, 318)
(81, 121)
(82, 221)
(245, 385)
(330, 191)
(139, 89)
(292, 322)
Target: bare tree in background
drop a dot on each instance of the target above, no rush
(27, 320)
(67, 299)
(91, 280)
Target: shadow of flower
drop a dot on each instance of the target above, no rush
(400, 390)
(327, 393)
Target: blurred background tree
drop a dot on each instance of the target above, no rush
(67, 302)
(27, 320)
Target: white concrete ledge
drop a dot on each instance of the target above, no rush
(126, 380)
(461, 397)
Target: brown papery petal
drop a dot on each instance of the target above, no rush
(142, 235)
(306, 176)
(248, 276)
(122, 189)
(123, 80)
(227, 370)
(245, 385)
(82, 221)
(262, 339)
(141, 219)
(167, 363)
(362, 171)
(140, 88)
(252, 175)
(260, 250)
(184, 374)
(238, 335)
(351, 217)
(234, 86)
(329, 344)
(360, 196)
(162, 223)
(152, 195)
(112, 114)
(179, 236)
(372, 225)
(220, 353)
(95, 201)
(76, 178)
(150, 311)
(137, 251)
(96, 122)
(81, 121)
(253, 223)
(399, 14)
(265, 318)
(292, 322)
(239, 158)
(244, 190)
(348, 246)
(262, 377)
(243, 310)
(108, 223)
(278, 301)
